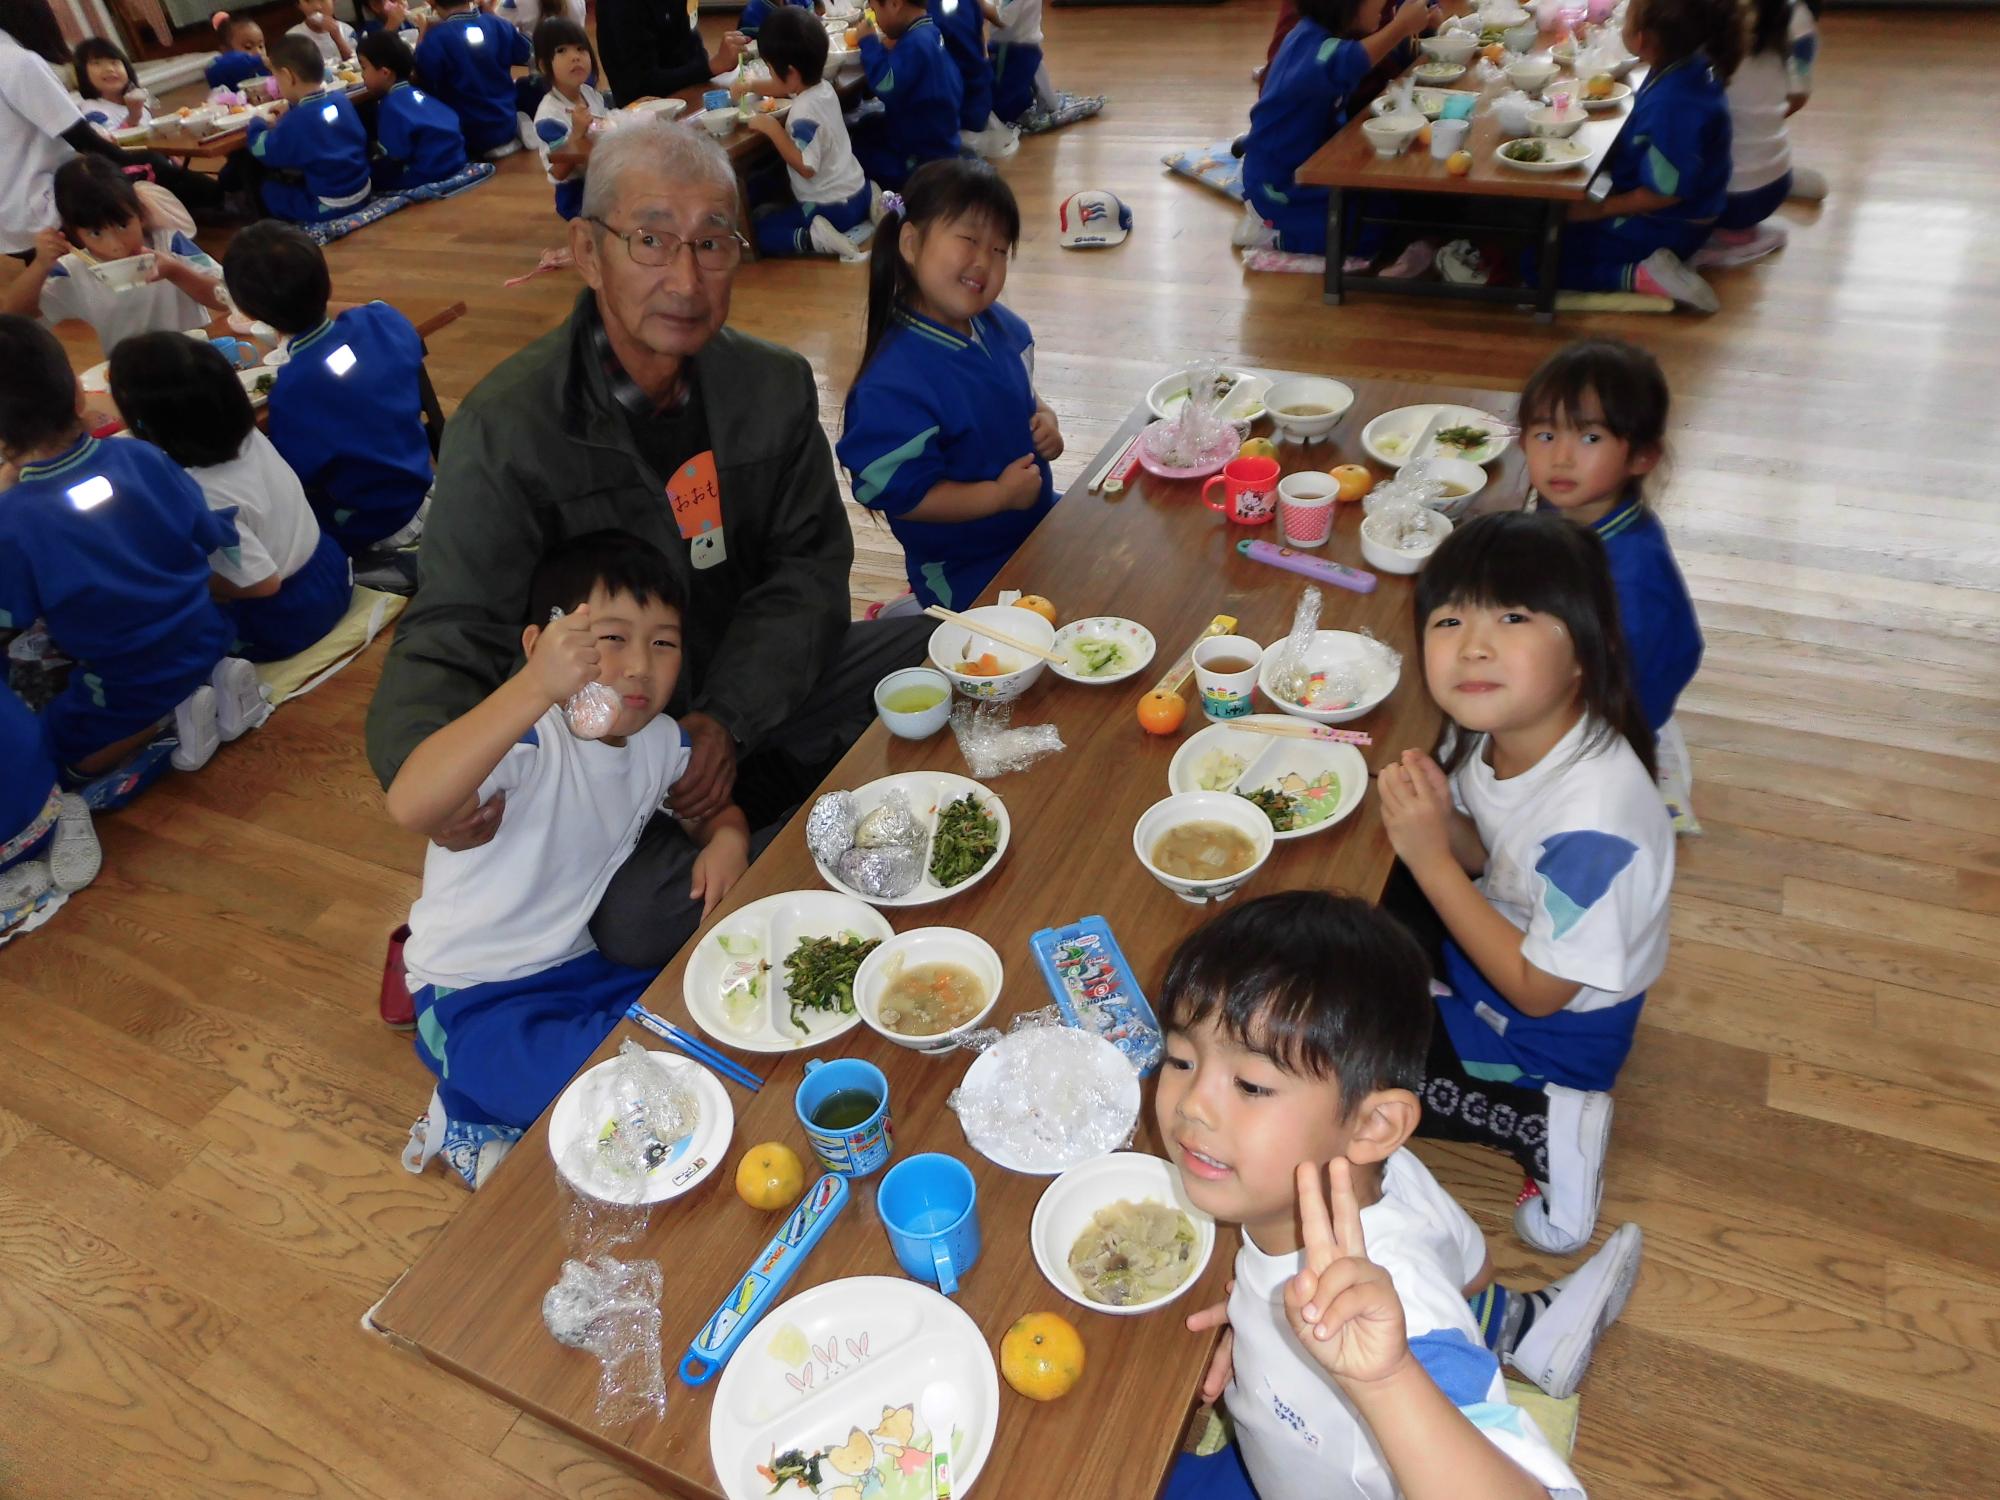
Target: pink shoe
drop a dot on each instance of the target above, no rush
(1740, 247)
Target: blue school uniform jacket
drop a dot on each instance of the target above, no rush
(1303, 104)
(228, 69)
(920, 91)
(109, 544)
(30, 780)
(935, 406)
(417, 139)
(323, 140)
(464, 59)
(346, 412)
(753, 16)
(1678, 141)
(963, 26)
(1662, 636)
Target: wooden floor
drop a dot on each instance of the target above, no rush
(199, 1113)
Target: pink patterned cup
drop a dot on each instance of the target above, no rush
(1305, 507)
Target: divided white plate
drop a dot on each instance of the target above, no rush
(1620, 92)
(1245, 404)
(1135, 638)
(928, 791)
(1267, 761)
(766, 931)
(1389, 438)
(583, 1111)
(1112, 1067)
(838, 1372)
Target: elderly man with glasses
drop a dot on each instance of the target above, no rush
(644, 413)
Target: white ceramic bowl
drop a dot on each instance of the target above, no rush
(1136, 639)
(1385, 557)
(1544, 120)
(717, 122)
(1390, 133)
(1070, 1202)
(1532, 74)
(1203, 807)
(1437, 73)
(949, 639)
(1329, 649)
(124, 275)
(670, 107)
(1521, 38)
(1311, 390)
(925, 722)
(1450, 46)
(1467, 476)
(926, 945)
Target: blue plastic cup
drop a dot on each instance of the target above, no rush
(852, 1150)
(717, 99)
(930, 1207)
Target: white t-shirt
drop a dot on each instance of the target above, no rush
(1020, 23)
(35, 109)
(1300, 1437)
(329, 49)
(1759, 91)
(815, 125)
(522, 902)
(527, 14)
(109, 114)
(275, 529)
(556, 108)
(1580, 857)
(73, 291)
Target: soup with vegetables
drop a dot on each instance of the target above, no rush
(925, 999)
(1133, 1253)
(1204, 851)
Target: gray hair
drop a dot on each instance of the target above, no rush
(676, 152)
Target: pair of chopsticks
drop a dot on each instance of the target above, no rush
(701, 1052)
(987, 633)
(1303, 732)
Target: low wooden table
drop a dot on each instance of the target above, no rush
(1348, 164)
(472, 1302)
(175, 142)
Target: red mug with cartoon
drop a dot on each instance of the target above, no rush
(1252, 487)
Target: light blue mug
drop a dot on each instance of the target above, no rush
(852, 1143)
(717, 99)
(930, 1207)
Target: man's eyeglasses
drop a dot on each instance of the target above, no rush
(714, 249)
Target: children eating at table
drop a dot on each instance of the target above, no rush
(917, 84)
(830, 193)
(417, 139)
(467, 58)
(314, 159)
(563, 119)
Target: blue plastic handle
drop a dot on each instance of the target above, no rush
(758, 1288)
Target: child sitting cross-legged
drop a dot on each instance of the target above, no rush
(1296, 1028)
(315, 157)
(511, 994)
(467, 58)
(417, 137)
(826, 179)
(346, 411)
(564, 118)
(105, 224)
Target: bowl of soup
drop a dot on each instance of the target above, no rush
(925, 988)
(1461, 483)
(1203, 846)
(1310, 406)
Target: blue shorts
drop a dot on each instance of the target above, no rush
(503, 1051)
(307, 605)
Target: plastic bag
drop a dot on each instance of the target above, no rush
(644, 1104)
(1198, 434)
(1289, 678)
(611, 1308)
(1049, 1097)
(593, 708)
(993, 747)
(1416, 484)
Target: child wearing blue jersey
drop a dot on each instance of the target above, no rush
(1014, 46)
(285, 583)
(511, 994)
(751, 21)
(944, 433)
(1303, 104)
(1540, 841)
(315, 157)
(1669, 169)
(467, 58)
(830, 192)
(243, 56)
(567, 113)
(962, 27)
(903, 58)
(346, 411)
(46, 841)
(108, 544)
(417, 137)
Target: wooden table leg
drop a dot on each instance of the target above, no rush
(743, 199)
(1553, 214)
(1336, 249)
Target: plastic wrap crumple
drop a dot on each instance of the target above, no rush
(1417, 483)
(611, 1308)
(593, 708)
(1198, 432)
(1289, 677)
(1048, 1096)
(992, 746)
(1334, 685)
(644, 1104)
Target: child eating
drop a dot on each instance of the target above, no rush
(904, 60)
(511, 994)
(1296, 1028)
(346, 411)
(243, 55)
(944, 433)
(564, 117)
(104, 225)
(467, 58)
(326, 31)
(316, 155)
(107, 90)
(831, 191)
(417, 138)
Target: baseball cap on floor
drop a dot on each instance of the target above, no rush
(1091, 219)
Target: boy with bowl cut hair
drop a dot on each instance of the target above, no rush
(417, 137)
(318, 147)
(831, 190)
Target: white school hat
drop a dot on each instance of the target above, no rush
(1091, 219)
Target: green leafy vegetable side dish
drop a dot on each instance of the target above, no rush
(1465, 438)
(261, 386)
(1099, 656)
(1521, 151)
(819, 973)
(967, 837)
(1274, 804)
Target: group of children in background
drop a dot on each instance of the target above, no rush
(1700, 167)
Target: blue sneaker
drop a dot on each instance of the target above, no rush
(471, 1149)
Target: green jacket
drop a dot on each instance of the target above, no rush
(540, 451)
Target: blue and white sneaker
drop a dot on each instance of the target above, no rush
(469, 1148)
